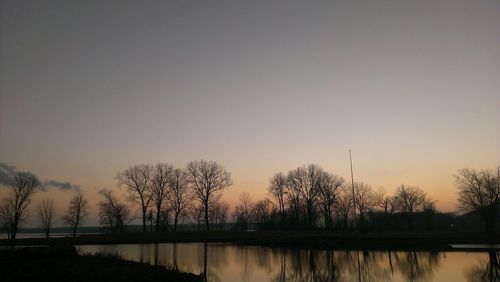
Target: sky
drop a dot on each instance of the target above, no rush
(88, 88)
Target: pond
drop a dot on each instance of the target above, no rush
(229, 262)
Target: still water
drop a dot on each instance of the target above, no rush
(227, 262)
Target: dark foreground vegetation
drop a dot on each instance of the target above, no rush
(62, 263)
(296, 239)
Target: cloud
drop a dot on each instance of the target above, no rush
(7, 173)
(61, 185)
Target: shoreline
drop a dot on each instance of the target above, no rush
(302, 239)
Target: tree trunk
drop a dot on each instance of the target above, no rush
(282, 211)
(206, 217)
(176, 219)
(13, 230)
(76, 224)
(325, 217)
(158, 209)
(309, 215)
(386, 218)
(205, 261)
(143, 219)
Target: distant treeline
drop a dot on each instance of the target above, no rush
(305, 198)
(310, 198)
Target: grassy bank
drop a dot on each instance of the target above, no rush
(322, 239)
(62, 263)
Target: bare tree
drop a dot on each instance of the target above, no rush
(363, 200)
(223, 214)
(243, 211)
(293, 200)
(197, 214)
(77, 212)
(263, 213)
(277, 188)
(330, 187)
(165, 218)
(386, 203)
(409, 199)
(479, 191)
(208, 179)
(46, 214)
(15, 207)
(112, 214)
(429, 212)
(137, 180)
(219, 213)
(7, 217)
(150, 218)
(161, 178)
(305, 181)
(343, 207)
(180, 198)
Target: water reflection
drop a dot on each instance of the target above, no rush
(486, 270)
(225, 262)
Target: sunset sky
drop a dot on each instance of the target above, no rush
(89, 88)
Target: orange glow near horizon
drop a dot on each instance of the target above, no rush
(438, 183)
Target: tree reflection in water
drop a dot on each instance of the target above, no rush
(327, 265)
(486, 270)
(417, 266)
(214, 259)
(228, 262)
(175, 266)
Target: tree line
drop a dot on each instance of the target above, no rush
(160, 191)
(307, 197)
(166, 191)
(14, 208)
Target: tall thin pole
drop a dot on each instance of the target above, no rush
(353, 194)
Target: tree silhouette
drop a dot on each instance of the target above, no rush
(112, 214)
(46, 214)
(179, 198)
(208, 179)
(77, 212)
(305, 182)
(344, 207)
(386, 203)
(479, 191)
(243, 211)
(219, 212)
(277, 188)
(14, 208)
(264, 213)
(137, 180)
(363, 200)
(409, 199)
(160, 188)
(329, 190)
